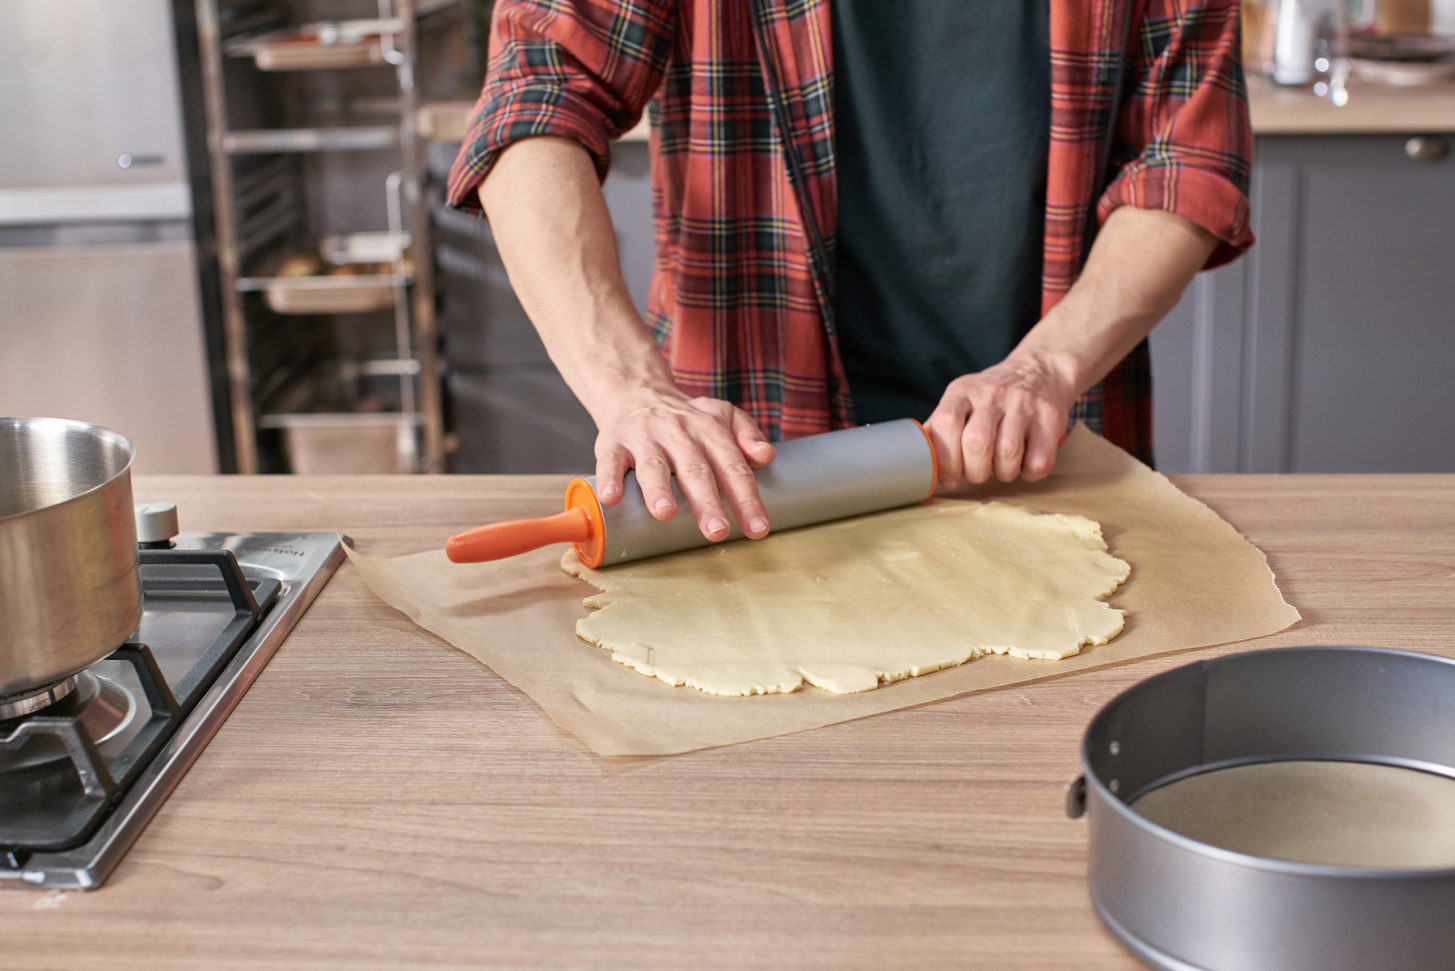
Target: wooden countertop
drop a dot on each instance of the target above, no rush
(1372, 109)
(380, 800)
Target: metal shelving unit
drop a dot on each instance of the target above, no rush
(290, 382)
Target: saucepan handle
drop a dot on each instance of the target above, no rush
(1076, 797)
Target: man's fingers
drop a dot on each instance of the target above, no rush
(750, 439)
(699, 486)
(1010, 444)
(654, 475)
(611, 468)
(733, 461)
(946, 426)
(711, 466)
(740, 487)
(977, 442)
(1044, 438)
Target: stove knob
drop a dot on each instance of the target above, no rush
(156, 523)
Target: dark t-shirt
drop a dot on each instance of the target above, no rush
(942, 121)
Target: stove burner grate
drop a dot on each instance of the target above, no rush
(103, 708)
(58, 785)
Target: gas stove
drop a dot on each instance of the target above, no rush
(86, 763)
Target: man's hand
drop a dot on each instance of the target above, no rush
(1010, 419)
(1006, 421)
(555, 237)
(710, 444)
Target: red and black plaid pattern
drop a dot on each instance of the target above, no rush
(740, 304)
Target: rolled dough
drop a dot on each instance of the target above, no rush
(850, 605)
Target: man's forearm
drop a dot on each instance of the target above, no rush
(1009, 419)
(1139, 266)
(556, 240)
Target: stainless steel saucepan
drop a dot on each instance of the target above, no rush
(70, 590)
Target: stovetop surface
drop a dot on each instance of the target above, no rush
(146, 712)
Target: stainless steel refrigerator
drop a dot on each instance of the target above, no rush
(100, 317)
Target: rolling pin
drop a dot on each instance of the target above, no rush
(810, 480)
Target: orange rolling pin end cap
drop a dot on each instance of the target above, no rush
(580, 524)
(934, 458)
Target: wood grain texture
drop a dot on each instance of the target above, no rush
(380, 800)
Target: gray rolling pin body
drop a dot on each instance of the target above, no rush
(810, 480)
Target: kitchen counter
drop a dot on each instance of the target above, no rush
(1372, 108)
(1429, 109)
(380, 800)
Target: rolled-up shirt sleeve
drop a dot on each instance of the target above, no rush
(580, 69)
(1184, 135)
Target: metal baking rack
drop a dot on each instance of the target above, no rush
(331, 368)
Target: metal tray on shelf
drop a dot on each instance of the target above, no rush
(349, 443)
(369, 247)
(321, 46)
(349, 138)
(342, 293)
(303, 55)
(328, 294)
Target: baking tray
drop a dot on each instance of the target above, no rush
(329, 294)
(355, 292)
(349, 443)
(324, 45)
(1184, 905)
(305, 55)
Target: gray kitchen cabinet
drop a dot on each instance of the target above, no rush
(512, 412)
(1329, 348)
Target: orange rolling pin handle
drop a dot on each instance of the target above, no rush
(496, 541)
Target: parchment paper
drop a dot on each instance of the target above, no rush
(1195, 583)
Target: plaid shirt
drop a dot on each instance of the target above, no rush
(744, 189)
